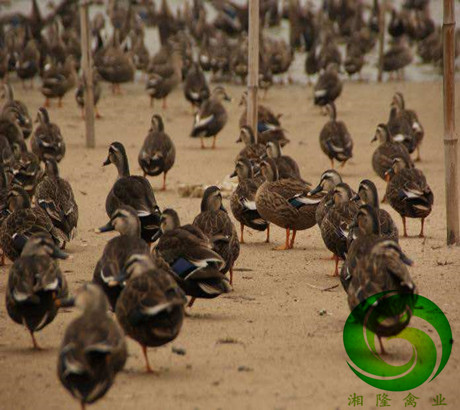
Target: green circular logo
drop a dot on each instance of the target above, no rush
(388, 314)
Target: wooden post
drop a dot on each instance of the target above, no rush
(87, 67)
(450, 139)
(253, 64)
(382, 11)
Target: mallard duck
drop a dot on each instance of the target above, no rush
(334, 138)
(285, 202)
(189, 253)
(28, 62)
(214, 221)
(409, 193)
(4, 189)
(388, 149)
(22, 223)
(211, 117)
(134, 191)
(196, 89)
(354, 60)
(398, 56)
(35, 281)
(140, 51)
(165, 77)
(93, 350)
(58, 80)
(268, 124)
(118, 250)
(158, 152)
(55, 195)
(384, 269)
(401, 129)
(80, 95)
(242, 201)
(329, 53)
(19, 109)
(150, 308)
(364, 232)
(10, 128)
(328, 87)
(114, 65)
(368, 195)
(335, 224)
(287, 166)
(26, 169)
(329, 180)
(47, 141)
(311, 63)
(412, 118)
(252, 150)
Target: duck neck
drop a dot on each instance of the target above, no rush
(123, 167)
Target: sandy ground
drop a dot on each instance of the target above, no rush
(291, 356)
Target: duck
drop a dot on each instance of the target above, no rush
(134, 191)
(384, 269)
(93, 349)
(196, 88)
(268, 124)
(28, 61)
(10, 128)
(58, 80)
(55, 196)
(388, 149)
(412, 118)
(80, 95)
(397, 57)
(408, 193)
(354, 60)
(118, 250)
(158, 152)
(47, 141)
(140, 51)
(214, 221)
(114, 65)
(328, 87)
(334, 139)
(150, 308)
(211, 117)
(287, 166)
(329, 53)
(4, 190)
(189, 253)
(26, 170)
(35, 282)
(368, 195)
(311, 63)
(285, 202)
(23, 222)
(252, 150)
(364, 232)
(165, 77)
(327, 183)
(242, 200)
(335, 224)
(401, 129)
(23, 118)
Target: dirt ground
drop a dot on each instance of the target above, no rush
(280, 352)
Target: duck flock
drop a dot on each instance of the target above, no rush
(149, 276)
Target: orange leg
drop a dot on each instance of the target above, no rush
(242, 232)
(202, 143)
(34, 341)
(83, 406)
(165, 104)
(146, 358)
(421, 234)
(2, 259)
(332, 163)
(47, 103)
(31, 83)
(267, 240)
(336, 270)
(286, 245)
(231, 275)
(98, 115)
(192, 301)
(291, 245)
(382, 349)
(404, 225)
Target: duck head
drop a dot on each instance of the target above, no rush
(42, 244)
(329, 180)
(273, 149)
(382, 134)
(243, 169)
(269, 170)
(367, 192)
(246, 135)
(117, 156)
(397, 165)
(169, 220)
(366, 220)
(18, 198)
(89, 298)
(43, 117)
(212, 200)
(157, 123)
(125, 221)
(342, 193)
(220, 94)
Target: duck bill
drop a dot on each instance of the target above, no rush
(65, 302)
(316, 190)
(374, 139)
(108, 227)
(119, 279)
(59, 253)
(106, 162)
(406, 260)
(233, 174)
(355, 198)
